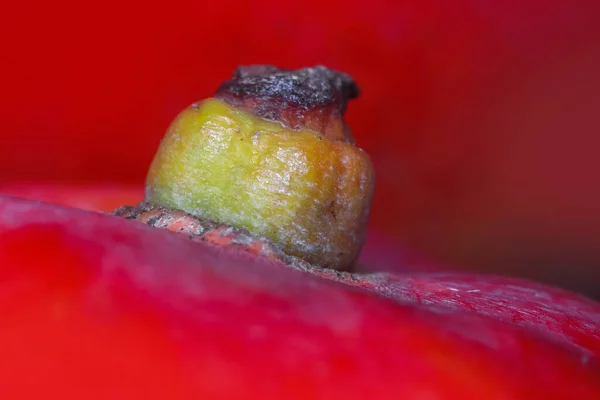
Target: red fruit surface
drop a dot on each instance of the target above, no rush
(98, 197)
(95, 306)
(480, 116)
(567, 316)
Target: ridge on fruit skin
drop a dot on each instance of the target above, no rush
(203, 230)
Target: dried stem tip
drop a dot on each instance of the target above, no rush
(314, 98)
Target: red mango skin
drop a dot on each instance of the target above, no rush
(96, 306)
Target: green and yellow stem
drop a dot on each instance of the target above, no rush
(308, 191)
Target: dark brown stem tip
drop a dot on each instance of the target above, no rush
(306, 88)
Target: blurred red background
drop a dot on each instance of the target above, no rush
(481, 116)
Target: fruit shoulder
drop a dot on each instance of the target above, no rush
(183, 319)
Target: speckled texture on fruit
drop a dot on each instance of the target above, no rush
(203, 230)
